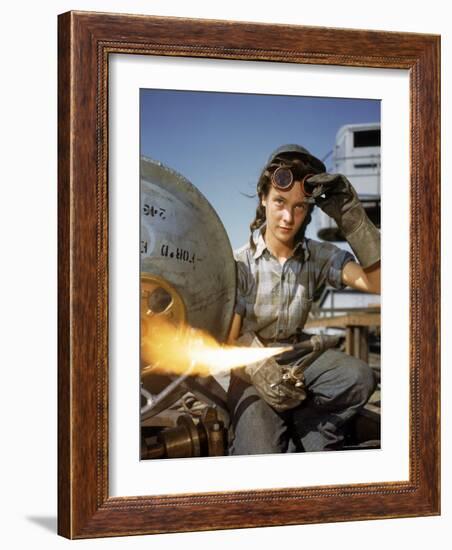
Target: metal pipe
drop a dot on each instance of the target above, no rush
(154, 400)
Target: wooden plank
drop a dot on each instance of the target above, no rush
(343, 321)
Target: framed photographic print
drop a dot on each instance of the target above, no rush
(167, 136)
(181, 264)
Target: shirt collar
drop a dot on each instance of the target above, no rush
(301, 249)
(259, 243)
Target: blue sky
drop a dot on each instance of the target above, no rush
(220, 141)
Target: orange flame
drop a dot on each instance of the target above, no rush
(182, 349)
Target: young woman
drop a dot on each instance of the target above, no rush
(279, 272)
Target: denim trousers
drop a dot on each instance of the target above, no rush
(337, 385)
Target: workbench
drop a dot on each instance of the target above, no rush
(356, 327)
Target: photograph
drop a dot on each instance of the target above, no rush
(225, 227)
(259, 274)
(227, 195)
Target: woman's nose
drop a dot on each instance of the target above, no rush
(287, 215)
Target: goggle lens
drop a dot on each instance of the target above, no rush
(282, 178)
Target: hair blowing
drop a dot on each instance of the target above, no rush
(300, 169)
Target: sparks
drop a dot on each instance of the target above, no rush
(179, 349)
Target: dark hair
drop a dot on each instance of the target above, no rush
(300, 168)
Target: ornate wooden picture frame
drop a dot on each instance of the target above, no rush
(86, 40)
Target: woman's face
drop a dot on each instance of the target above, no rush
(285, 212)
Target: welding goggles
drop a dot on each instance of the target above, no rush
(283, 178)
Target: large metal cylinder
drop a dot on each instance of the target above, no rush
(187, 275)
(184, 243)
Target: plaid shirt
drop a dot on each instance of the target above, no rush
(274, 300)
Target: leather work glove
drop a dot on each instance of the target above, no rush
(335, 195)
(270, 379)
